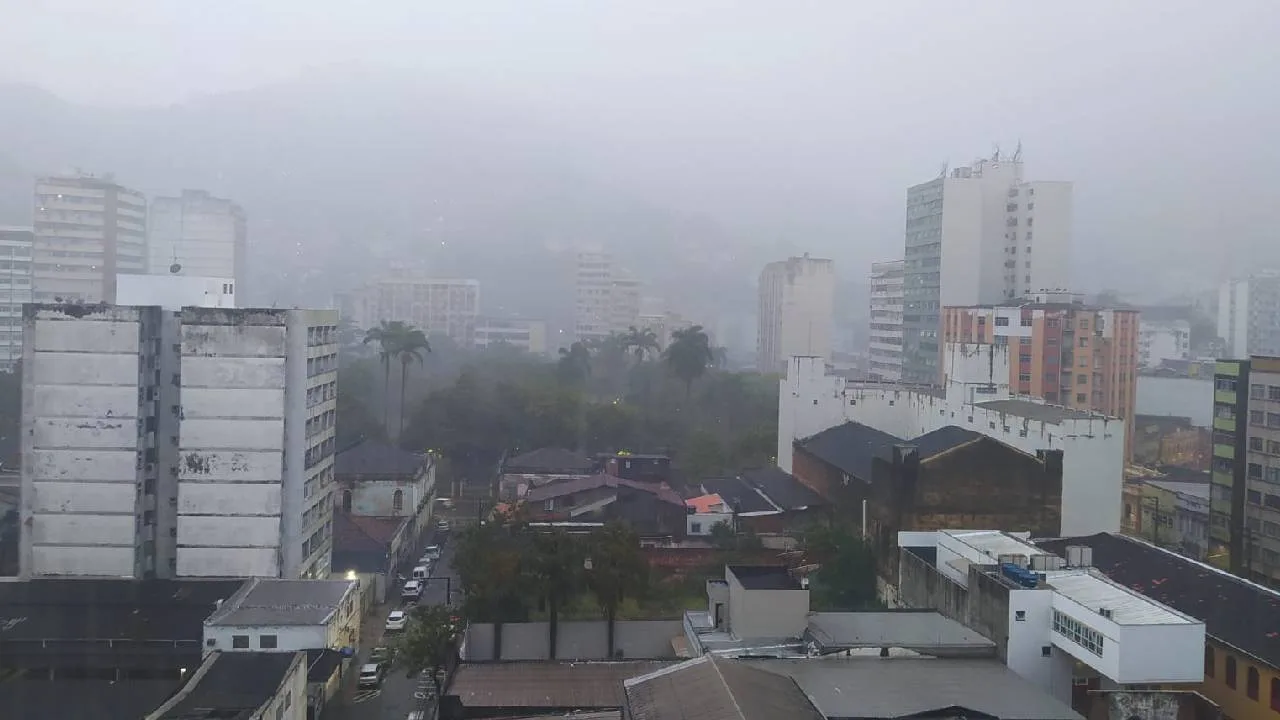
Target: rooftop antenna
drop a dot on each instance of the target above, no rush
(943, 172)
(995, 155)
(1017, 152)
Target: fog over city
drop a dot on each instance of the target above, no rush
(697, 140)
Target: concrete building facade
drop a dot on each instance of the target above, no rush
(436, 306)
(1249, 315)
(87, 229)
(885, 349)
(1069, 354)
(204, 235)
(15, 290)
(527, 335)
(978, 234)
(1161, 341)
(286, 616)
(811, 401)
(797, 306)
(608, 299)
(174, 292)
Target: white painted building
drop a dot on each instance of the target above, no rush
(256, 444)
(1249, 315)
(174, 292)
(527, 335)
(978, 235)
(286, 616)
(608, 298)
(1160, 341)
(797, 307)
(92, 493)
(204, 236)
(1061, 611)
(885, 356)
(87, 229)
(976, 398)
(15, 290)
(436, 306)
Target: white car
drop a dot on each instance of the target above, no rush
(396, 620)
(432, 553)
(442, 526)
(412, 590)
(370, 675)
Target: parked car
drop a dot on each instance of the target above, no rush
(444, 502)
(412, 590)
(370, 676)
(442, 526)
(380, 655)
(421, 572)
(432, 553)
(396, 621)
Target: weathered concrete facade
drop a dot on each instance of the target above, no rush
(89, 434)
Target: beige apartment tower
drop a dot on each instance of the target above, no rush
(797, 304)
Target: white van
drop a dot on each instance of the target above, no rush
(420, 573)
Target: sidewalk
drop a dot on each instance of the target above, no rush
(371, 629)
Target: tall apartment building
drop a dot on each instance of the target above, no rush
(978, 234)
(15, 290)
(436, 306)
(177, 443)
(885, 356)
(202, 234)
(1244, 499)
(1249, 315)
(87, 229)
(797, 308)
(608, 299)
(1069, 354)
(1160, 341)
(527, 335)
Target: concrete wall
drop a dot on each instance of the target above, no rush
(766, 613)
(578, 640)
(288, 637)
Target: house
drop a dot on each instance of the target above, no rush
(705, 512)
(373, 550)
(286, 616)
(242, 685)
(540, 467)
(767, 500)
(378, 480)
(653, 509)
(1170, 440)
(632, 466)
(1241, 652)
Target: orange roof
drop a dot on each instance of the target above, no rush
(705, 503)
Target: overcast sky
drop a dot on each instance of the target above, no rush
(800, 120)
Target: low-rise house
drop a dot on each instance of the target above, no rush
(1170, 440)
(522, 473)
(1241, 653)
(634, 466)
(286, 616)
(768, 501)
(243, 686)
(705, 512)
(373, 550)
(653, 509)
(379, 480)
(1170, 510)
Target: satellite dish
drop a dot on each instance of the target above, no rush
(175, 268)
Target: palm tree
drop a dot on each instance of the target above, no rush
(615, 570)
(409, 349)
(387, 335)
(574, 366)
(641, 342)
(689, 355)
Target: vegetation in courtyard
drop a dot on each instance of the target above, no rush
(429, 641)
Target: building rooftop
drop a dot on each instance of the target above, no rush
(708, 687)
(662, 491)
(1195, 489)
(739, 495)
(549, 685)
(899, 687)
(993, 543)
(24, 699)
(377, 459)
(1236, 612)
(705, 503)
(852, 447)
(1094, 591)
(269, 601)
(943, 439)
(321, 664)
(233, 686)
(782, 488)
(764, 577)
(1055, 414)
(924, 631)
(552, 460)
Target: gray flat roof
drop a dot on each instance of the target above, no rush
(1039, 411)
(863, 687)
(915, 630)
(268, 601)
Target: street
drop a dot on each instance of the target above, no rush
(399, 695)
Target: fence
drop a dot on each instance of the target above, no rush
(576, 640)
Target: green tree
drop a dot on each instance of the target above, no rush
(489, 559)
(388, 336)
(409, 347)
(574, 366)
(689, 355)
(615, 570)
(356, 420)
(702, 455)
(429, 640)
(846, 577)
(554, 566)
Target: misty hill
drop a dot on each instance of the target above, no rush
(343, 175)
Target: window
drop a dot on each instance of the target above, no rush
(1209, 663)
(1255, 443)
(695, 528)
(240, 642)
(1257, 392)
(1255, 417)
(1020, 616)
(1080, 397)
(1046, 651)
(1084, 342)
(267, 642)
(1255, 470)
(1275, 694)
(1273, 420)
(982, 322)
(397, 500)
(1077, 632)
(1251, 683)
(346, 501)
(1082, 379)
(1273, 392)
(1231, 672)
(1002, 322)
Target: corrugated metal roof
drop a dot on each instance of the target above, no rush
(1094, 591)
(586, 685)
(270, 601)
(710, 688)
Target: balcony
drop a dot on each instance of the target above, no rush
(1227, 424)
(1226, 397)
(1224, 451)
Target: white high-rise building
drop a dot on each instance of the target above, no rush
(527, 335)
(1249, 315)
(203, 235)
(978, 234)
(1160, 341)
(191, 443)
(15, 290)
(608, 299)
(436, 306)
(87, 229)
(885, 356)
(797, 308)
